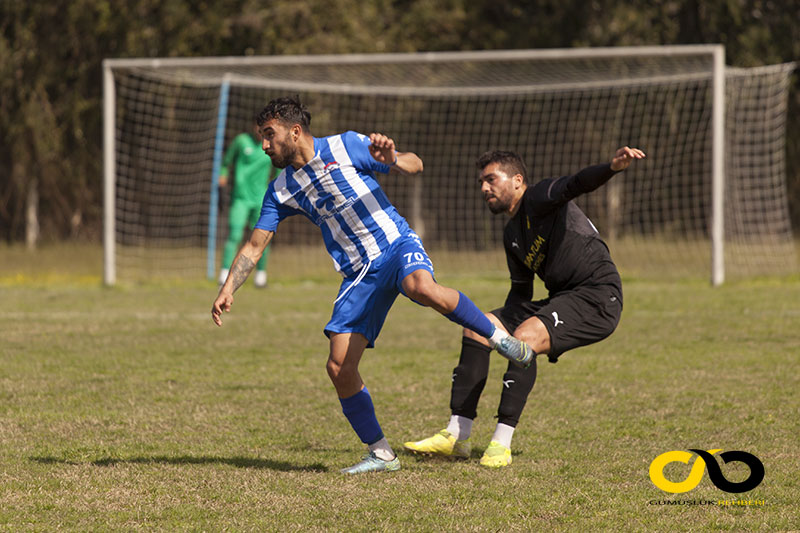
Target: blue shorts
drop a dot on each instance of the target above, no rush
(364, 299)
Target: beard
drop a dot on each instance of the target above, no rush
(283, 155)
(499, 206)
(281, 160)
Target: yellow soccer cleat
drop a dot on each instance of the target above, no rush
(443, 444)
(496, 455)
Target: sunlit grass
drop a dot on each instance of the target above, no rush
(126, 409)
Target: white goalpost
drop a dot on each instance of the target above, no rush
(710, 199)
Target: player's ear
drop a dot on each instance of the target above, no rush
(518, 181)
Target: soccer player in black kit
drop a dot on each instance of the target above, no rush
(548, 236)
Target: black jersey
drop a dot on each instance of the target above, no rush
(551, 237)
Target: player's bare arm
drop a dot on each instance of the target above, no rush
(624, 157)
(240, 270)
(243, 265)
(384, 151)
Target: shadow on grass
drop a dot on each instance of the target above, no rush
(239, 462)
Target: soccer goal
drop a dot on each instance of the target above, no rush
(709, 200)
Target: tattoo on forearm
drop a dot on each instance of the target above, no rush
(241, 270)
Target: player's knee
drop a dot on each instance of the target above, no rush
(337, 370)
(537, 337)
(332, 368)
(421, 289)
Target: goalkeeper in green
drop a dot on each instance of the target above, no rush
(252, 172)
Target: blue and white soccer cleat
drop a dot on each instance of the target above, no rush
(516, 351)
(372, 463)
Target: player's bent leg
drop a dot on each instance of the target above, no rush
(512, 348)
(517, 386)
(530, 339)
(469, 379)
(346, 350)
(516, 351)
(469, 334)
(535, 334)
(420, 286)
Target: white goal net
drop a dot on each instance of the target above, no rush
(168, 121)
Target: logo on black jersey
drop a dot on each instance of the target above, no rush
(556, 321)
(534, 259)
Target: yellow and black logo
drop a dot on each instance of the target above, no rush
(706, 459)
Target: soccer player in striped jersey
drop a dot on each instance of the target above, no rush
(331, 181)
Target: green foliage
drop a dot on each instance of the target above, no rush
(51, 54)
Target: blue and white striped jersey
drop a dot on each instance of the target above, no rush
(338, 192)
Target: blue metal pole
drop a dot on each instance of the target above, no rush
(213, 206)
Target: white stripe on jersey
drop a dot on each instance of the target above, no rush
(283, 194)
(285, 197)
(348, 215)
(311, 194)
(380, 217)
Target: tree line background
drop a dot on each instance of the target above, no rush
(51, 75)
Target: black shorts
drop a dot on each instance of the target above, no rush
(573, 318)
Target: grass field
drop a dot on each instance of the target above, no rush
(126, 409)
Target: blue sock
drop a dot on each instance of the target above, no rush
(468, 315)
(360, 413)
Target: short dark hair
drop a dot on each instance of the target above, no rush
(510, 162)
(288, 110)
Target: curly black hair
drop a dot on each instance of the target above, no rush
(288, 110)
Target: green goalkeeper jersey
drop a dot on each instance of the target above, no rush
(252, 169)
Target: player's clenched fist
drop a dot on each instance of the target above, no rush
(382, 148)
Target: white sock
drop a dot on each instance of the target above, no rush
(382, 450)
(503, 434)
(460, 427)
(497, 336)
(223, 275)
